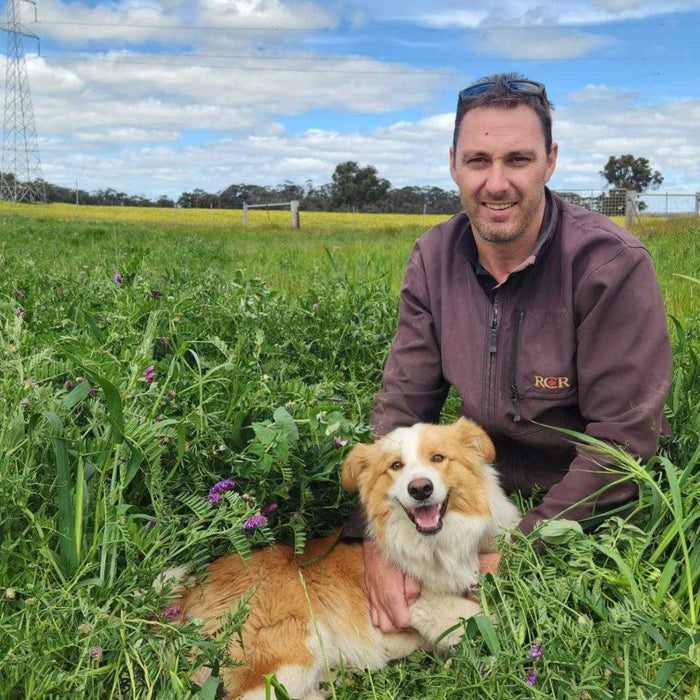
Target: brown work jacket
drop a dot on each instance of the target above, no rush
(575, 337)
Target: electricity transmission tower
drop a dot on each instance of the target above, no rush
(20, 177)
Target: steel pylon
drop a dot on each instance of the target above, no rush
(20, 177)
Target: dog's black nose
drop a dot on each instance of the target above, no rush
(420, 489)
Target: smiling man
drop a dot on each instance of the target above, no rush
(538, 312)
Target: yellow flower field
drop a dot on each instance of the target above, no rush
(222, 218)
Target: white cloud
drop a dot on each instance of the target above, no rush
(601, 95)
(129, 89)
(128, 135)
(80, 23)
(451, 14)
(265, 13)
(543, 43)
(587, 132)
(406, 153)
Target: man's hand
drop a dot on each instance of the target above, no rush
(488, 562)
(390, 592)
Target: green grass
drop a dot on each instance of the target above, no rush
(267, 347)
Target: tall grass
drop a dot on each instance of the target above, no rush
(265, 348)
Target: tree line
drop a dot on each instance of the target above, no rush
(353, 188)
(356, 188)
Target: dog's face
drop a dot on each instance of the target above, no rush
(425, 471)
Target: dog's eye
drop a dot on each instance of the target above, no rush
(436, 458)
(396, 466)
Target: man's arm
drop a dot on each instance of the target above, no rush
(413, 390)
(624, 371)
(413, 387)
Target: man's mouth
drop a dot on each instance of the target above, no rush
(427, 519)
(499, 206)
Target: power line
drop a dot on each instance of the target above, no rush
(251, 28)
(343, 71)
(352, 71)
(330, 59)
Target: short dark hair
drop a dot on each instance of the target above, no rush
(500, 95)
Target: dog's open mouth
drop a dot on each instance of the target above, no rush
(427, 519)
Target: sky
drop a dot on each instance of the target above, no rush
(159, 97)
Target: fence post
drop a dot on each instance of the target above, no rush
(245, 215)
(294, 208)
(630, 206)
(697, 203)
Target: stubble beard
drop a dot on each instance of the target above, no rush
(497, 234)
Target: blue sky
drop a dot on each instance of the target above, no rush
(161, 97)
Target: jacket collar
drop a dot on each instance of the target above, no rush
(466, 245)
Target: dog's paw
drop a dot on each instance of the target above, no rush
(438, 620)
(446, 642)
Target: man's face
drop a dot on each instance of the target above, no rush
(500, 168)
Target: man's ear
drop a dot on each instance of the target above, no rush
(353, 465)
(475, 437)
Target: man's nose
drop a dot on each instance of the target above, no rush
(497, 181)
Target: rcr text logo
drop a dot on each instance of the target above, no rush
(551, 382)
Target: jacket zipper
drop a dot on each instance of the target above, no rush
(514, 393)
(493, 348)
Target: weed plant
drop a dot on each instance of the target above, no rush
(171, 394)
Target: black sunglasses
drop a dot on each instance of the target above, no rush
(529, 87)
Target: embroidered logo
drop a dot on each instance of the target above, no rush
(551, 382)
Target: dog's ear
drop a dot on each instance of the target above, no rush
(474, 436)
(353, 465)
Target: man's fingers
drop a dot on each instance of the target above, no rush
(385, 624)
(411, 590)
(488, 562)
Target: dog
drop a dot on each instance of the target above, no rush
(433, 503)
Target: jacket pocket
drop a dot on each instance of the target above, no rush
(542, 362)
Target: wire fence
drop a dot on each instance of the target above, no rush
(635, 204)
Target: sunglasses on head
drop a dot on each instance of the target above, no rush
(529, 87)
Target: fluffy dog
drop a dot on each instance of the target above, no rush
(433, 503)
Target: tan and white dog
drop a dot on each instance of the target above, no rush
(433, 503)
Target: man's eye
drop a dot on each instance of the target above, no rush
(520, 160)
(437, 458)
(396, 466)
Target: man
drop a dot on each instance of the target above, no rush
(539, 313)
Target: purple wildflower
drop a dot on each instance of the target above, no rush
(531, 676)
(150, 373)
(95, 652)
(117, 279)
(156, 293)
(19, 312)
(339, 443)
(314, 306)
(473, 587)
(269, 509)
(92, 391)
(149, 524)
(255, 521)
(536, 650)
(217, 489)
(170, 612)
(20, 293)
(164, 341)
(69, 384)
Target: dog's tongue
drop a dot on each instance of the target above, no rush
(427, 517)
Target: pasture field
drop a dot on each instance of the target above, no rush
(144, 361)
